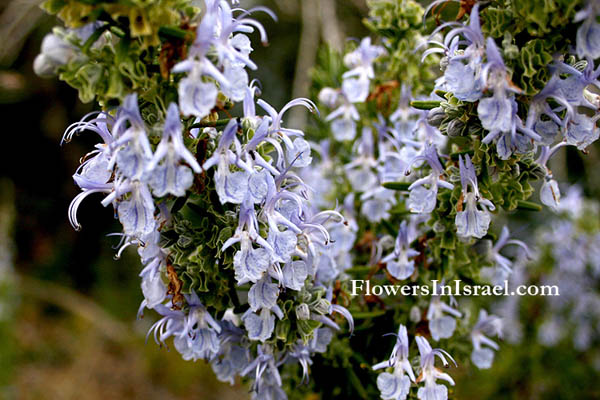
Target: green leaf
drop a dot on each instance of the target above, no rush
(396, 185)
(425, 104)
(528, 206)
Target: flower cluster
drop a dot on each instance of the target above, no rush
(396, 385)
(556, 116)
(275, 248)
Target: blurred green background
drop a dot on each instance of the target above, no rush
(68, 327)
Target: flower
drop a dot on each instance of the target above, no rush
(498, 114)
(398, 263)
(471, 222)
(503, 264)
(169, 176)
(131, 149)
(430, 374)
(195, 333)
(486, 324)
(588, 33)
(462, 75)
(550, 194)
(360, 61)
(422, 200)
(582, 131)
(441, 326)
(55, 52)
(574, 86)
(396, 385)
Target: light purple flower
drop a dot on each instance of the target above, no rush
(166, 175)
(422, 199)
(396, 385)
(398, 263)
(472, 222)
(430, 374)
(489, 325)
(441, 325)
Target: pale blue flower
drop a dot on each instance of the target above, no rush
(294, 274)
(396, 385)
(268, 386)
(377, 204)
(241, 43)
(153, 288)
(422, 200)
(136, 212)
(299, 154)
(392, 386)
(495, 113)
(93, 175)
(360, 61)
(472, 222)
(283, 244)
(356, 90)
(196, 98)
(550, 194)
(503, 264)
(498, 114)
(259, 326)
(264, 364)
(343, 125)
(235, 359)
(588, 33)
(582, 131)
(398, 263)
(195, 333)
(463, 80)
(250, 263)
(326, 267)
(226, 49)
(463, 72)
(166, 175)
(237, 82)
(328, 96)
(54, 52)
(539, 107)
(259, 184)
(202, 345)
(232, 187)
(263, 294)
(131, 148)
(321, 339)
(441, 325)
(489, 325)
(430, 374)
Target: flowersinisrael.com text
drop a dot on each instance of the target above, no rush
(456, 288)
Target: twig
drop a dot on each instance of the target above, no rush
(307, 55)
(76, 304)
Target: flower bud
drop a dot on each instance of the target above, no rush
(436, 116)
(439, 227)
(43, 66)
(282, 329)
(57, 50)
(322, 306)
(302, 312)
(455, 128)
(415, 314)
(328, 96)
